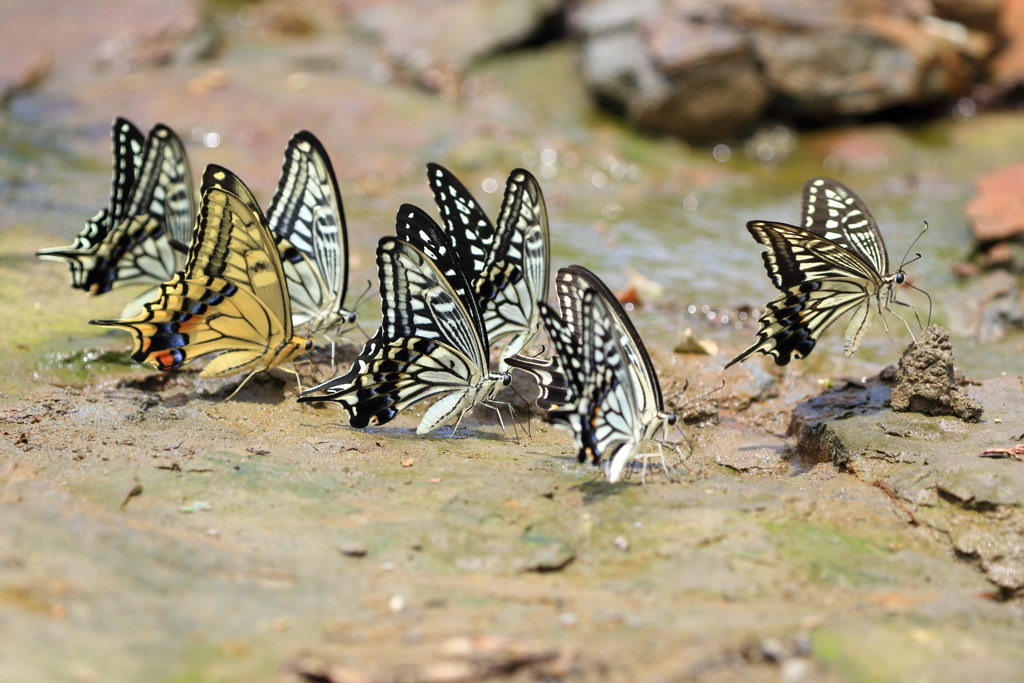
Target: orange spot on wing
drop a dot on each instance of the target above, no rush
(164, 360)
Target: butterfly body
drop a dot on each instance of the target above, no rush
(836, 263)
(229, 298)
(431, 342)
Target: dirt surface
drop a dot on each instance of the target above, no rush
(925, 382)
(150, 531)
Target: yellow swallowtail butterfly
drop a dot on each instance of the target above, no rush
(231, 296)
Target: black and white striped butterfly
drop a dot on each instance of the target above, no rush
(508, 264)
(142, 236)
(307, 219)
(835, 263)
(601, 385)
(431, 342)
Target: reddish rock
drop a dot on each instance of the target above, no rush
(997, 213)
(1008, 66)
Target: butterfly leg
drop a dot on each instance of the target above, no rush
(495, 406)
(458, 422)
(916, 314)
(239, 387)
(298, 379)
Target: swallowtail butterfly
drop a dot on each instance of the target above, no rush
(834, 263)
(230, 297)
(142, 237)
(307, 218)
(601, 385)
(431, 342)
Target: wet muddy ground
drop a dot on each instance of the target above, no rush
(152, 532)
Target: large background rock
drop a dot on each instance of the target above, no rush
(710, 70)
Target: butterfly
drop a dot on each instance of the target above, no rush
(230, 297)
(601, 385)
(508, 264)
(834, 263)
(431, 342)
(307, 219)
(142, 237)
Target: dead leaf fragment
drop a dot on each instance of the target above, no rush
(407, 462)
(688, 343)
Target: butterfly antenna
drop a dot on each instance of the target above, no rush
(362, 297)
(686, 385)
(699, 397)
(919, 236)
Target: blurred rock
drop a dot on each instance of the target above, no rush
(709, 70)
(982, 15)
(682, 73)
(114, 34)
(997, 213)
(448, 35)
(991, 306)
(1008, 66)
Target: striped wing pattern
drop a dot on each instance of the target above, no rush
(604, 391)
(307, 217)
(127, 143)
(571, 285)
(832, 210)
(431, 342)
(605, 422)
(149, 246)
(558, 388)
(819, 281)
(469, 229)
(229, 298)
(509, 263)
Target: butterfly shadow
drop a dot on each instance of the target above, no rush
(845, 398)
(600, 488)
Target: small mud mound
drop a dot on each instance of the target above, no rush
(925, 383)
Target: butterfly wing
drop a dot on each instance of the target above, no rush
(468, 227)
(307, 213)
(518, 266)
(558, 387)
(819, 280)
(606, 421)
(427, 345)
(415, 226)
(229, 298)
(127, 143)
(149, 245)
(833, 211)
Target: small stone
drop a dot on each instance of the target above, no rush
(925, 381)
(352, 549)
(621, 543)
